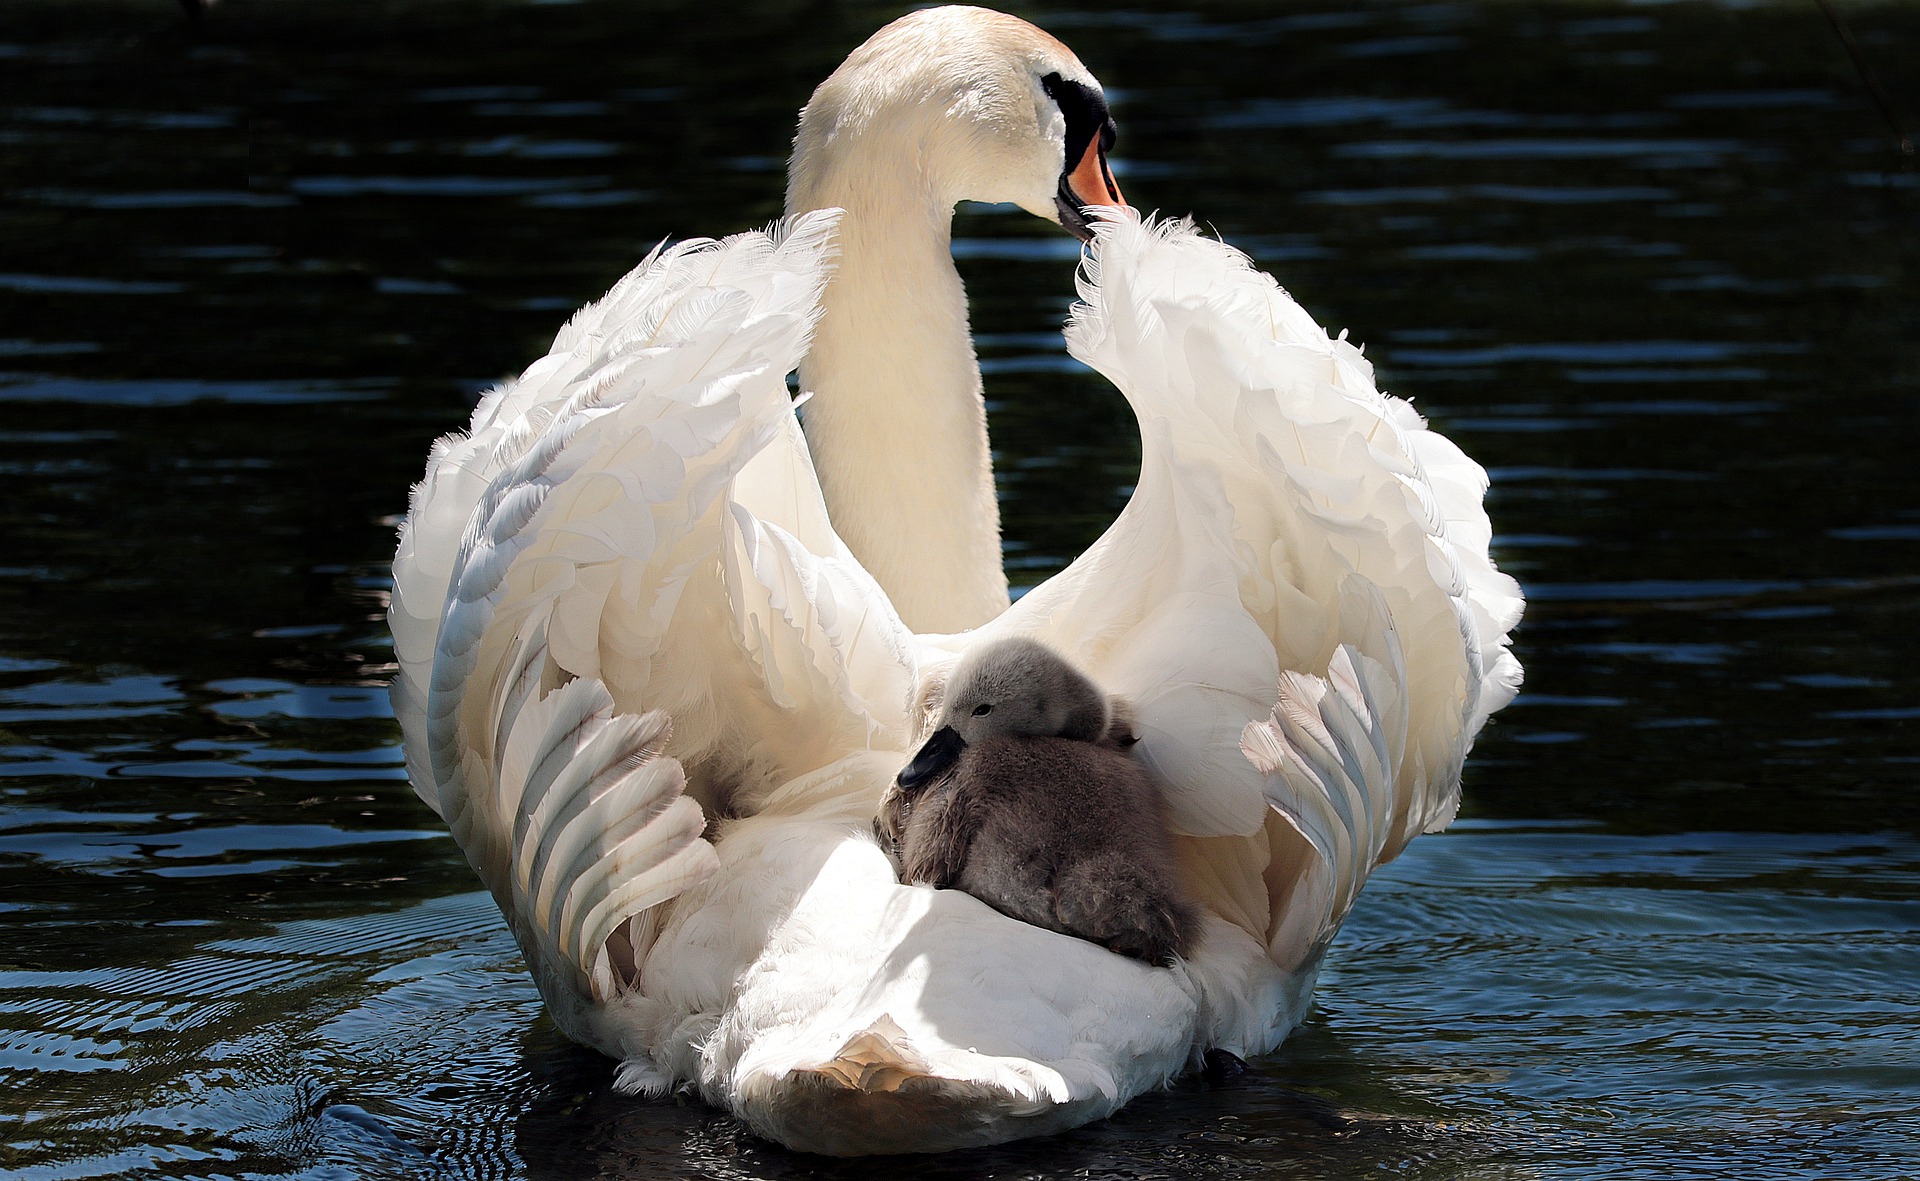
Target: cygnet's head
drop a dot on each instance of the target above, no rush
(1015, 686)
(1021, 686)
(956, 104)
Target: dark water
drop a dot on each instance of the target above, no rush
(1654, 264)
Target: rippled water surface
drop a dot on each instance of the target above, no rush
(1654, 264)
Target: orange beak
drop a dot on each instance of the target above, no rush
(1092, 181)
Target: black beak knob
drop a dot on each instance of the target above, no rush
(941, 751)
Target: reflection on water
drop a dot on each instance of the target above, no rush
(1653, 265)
(1514, 1001)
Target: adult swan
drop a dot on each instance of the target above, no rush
(655, 674)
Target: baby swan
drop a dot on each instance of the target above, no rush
(1025, 798)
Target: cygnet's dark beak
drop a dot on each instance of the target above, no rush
(940, 752)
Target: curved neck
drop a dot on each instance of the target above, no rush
(896, 423)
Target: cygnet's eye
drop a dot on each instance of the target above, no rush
(981, 711)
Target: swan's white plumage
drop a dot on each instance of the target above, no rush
(1287, 577)
(544, 654)
(1303, 616)
(657, 699)
(1309, 492)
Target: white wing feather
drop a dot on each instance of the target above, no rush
(1290, 517)
(628, 609)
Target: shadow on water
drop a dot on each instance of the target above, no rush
(1653, 265)
(1188, 1131)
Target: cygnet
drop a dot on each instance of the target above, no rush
(1025, 797)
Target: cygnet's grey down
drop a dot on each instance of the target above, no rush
(1026, 798)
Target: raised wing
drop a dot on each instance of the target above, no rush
(1302, 568)
(627, 539)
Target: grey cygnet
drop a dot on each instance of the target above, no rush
(1025, 798)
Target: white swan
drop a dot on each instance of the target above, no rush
(656, 697)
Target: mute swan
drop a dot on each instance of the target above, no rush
(657, 697)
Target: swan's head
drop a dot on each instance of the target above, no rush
(956, 104)
(1015, 686)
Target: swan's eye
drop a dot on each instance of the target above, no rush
(981, 711)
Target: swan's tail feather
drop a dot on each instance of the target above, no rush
(878, 1059)
(879, 1094)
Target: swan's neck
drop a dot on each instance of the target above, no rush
(896, 424)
